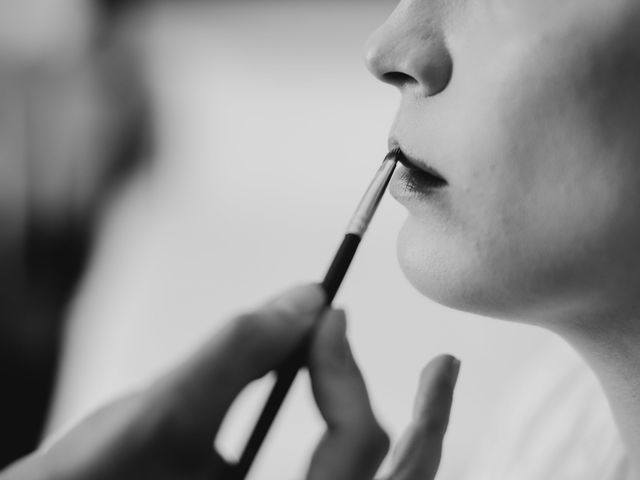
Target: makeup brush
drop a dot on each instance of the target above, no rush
(332, 280)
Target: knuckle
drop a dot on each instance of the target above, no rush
(246, 329)
(376, 441)
(383, 441)
(246, 338)
(264, 325)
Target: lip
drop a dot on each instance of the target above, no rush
(412, 162)
(415, 179)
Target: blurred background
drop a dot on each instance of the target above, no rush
(176, 162)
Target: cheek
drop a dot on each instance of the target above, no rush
(546, 209)
(566, 199)
(519, 255)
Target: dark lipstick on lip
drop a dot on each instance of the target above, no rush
(418, 177)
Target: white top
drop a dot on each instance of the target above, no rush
(556, 425)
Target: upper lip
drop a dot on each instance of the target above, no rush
(412, 162)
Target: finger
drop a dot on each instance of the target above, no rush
(354, 444)
(197, 394)
(420, 448)
(219, 468)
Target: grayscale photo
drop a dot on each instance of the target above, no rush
(319, 239)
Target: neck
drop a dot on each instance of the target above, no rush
(610, 345)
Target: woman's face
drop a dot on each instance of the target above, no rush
(530, 110)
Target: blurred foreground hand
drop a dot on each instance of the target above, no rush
(167, 431)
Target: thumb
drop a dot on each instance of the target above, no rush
(199, 391)
(418, 453)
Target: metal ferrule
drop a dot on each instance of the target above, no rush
(369, 203)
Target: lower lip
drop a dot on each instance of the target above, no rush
(410, 184)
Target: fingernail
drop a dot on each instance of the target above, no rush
(454, 370)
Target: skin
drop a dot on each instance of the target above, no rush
(525, 108)
(166, 430)
(529, 110)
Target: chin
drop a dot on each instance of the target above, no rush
(449, 271)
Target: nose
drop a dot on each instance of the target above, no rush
(409, 49)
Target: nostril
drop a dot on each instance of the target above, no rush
(414, 58)
(397, 79)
